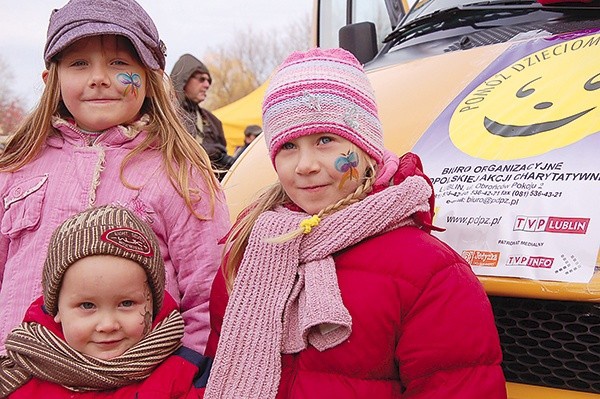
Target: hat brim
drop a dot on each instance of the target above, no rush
(102, 28)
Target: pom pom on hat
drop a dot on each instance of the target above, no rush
(322, 91)
(107, 230)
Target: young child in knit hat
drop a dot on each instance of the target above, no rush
(332, 273)
(106, 131)
(104, 326)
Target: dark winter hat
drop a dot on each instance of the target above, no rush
(201, 68)
(185, 67)
(83, 18)
(107, 230)
(252, 130)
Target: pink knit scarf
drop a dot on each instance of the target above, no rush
(286, 295)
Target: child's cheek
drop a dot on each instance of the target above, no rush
(131, 83)
(347, 165)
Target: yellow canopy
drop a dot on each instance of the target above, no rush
(239, 114)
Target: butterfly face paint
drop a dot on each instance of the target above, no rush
(347, 164)
(132, 81)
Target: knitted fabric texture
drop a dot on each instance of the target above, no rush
(322, 91)
(84, 18)
(107, 230)
(34, 350)
(286, 296)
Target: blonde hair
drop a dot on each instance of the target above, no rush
(271, 197)
(182, 155)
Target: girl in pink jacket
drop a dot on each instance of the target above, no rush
(333, 286)
(105, 131)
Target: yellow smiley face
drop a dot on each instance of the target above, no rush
(544, 101)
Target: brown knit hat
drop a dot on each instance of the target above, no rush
(107, 230)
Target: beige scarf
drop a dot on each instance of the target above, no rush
(286, 296)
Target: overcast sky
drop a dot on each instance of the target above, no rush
(186, 26)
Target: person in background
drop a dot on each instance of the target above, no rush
(106, 131)
(332, 274)
(104, 326)
(250, 133)
(191, 80)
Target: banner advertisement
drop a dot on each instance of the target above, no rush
(515, 161)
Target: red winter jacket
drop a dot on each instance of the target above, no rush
(182, 375)
(422, 327)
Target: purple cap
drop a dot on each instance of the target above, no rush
(83, 18)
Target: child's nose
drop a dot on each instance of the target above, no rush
(108, 322)
(99, 77)
(307, 162)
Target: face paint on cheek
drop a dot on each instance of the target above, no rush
(147, 322)
(132, 82)
(347, 164)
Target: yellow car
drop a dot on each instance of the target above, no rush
(501, 100)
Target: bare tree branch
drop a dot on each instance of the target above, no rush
(240, 67)
(11, 107)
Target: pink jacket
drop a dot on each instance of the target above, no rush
(69, 176)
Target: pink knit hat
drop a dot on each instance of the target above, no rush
(322, 91)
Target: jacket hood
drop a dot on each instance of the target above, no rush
(183, 70)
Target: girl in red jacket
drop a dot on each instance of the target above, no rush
(104, 327)
(333, 286)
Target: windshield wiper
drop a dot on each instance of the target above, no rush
(518, 4)
(505, 4)
(459, 16)
(528, 3)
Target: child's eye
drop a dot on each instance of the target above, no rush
(287, 146)
(325, 139)
(78, 63)
(127, 303)
(120, 62)
(86, 305)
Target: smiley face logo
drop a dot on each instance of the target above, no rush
(544, 101)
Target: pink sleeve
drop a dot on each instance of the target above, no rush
(4, 242)
(3, 254)
(195, 255)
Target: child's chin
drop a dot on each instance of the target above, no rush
(108, 354)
